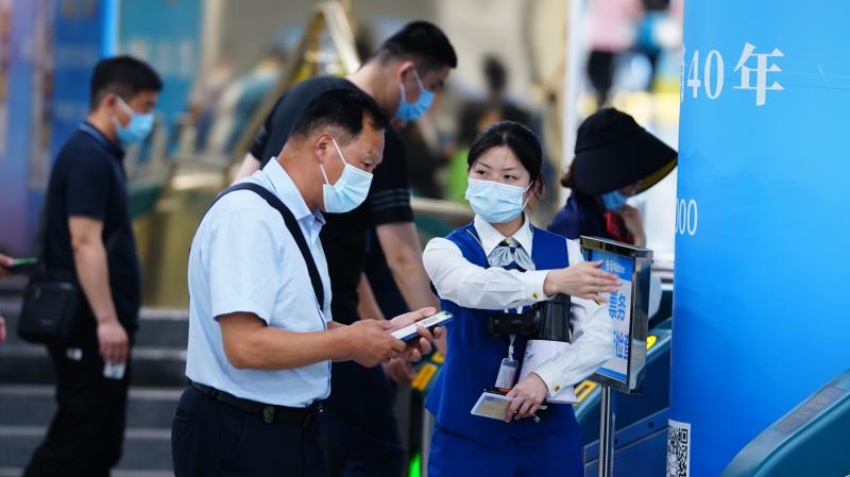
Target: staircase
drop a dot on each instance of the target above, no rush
(27, 405)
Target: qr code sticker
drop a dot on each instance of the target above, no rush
(678, 449)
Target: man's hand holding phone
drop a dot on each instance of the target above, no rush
(9, 265)
(6, 264)
(418, 329)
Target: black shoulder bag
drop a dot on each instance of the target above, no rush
(52, 303)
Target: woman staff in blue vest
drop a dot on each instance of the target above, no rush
(493, 268)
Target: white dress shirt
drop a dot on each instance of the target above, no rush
(471, 286)
(243, 259)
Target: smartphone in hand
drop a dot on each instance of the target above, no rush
(24, 266)
(410, 332)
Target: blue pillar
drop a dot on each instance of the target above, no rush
(762, 219)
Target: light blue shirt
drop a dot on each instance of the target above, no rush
(243, 259)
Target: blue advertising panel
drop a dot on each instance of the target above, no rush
(760, 222)
(166, 34)
(81, 40)
(47, 51)
(74, 39)
(16, 92)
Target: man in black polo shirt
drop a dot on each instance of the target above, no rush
(88, 234)
(401, 76)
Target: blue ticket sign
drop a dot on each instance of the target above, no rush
(619, 310)
(627, 308)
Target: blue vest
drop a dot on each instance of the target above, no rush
(473, 359)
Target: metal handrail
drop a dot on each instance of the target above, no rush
(443, 209)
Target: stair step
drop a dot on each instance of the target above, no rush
(155, 367)
(27, 393)
(34, 406)
(158, 327)
(162, 327)
(145, 449)
(17, 472)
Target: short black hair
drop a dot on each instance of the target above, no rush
(344, 108)
(495, 73)
(123, 75)
(519, 139)
(422, 42)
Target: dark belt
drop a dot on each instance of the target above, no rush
(296, 416)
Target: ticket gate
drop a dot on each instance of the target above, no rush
(811, 440)
(641, 420)
(640, 442)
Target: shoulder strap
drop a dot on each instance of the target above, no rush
(291, 224)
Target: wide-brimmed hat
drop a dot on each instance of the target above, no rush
(613, 151)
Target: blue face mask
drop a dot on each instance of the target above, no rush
(412, 111)
(495, 202)
(137, 129)
(350, 189)
(614, 200)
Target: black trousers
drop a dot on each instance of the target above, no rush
(213, 439)
(600, 70)
(87, 433)
(360, 422)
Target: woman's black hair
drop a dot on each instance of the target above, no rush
(519, 139)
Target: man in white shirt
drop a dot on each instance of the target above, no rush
(261, 338)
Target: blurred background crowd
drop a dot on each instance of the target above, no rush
(545, 63)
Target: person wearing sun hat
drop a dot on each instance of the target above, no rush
(615, 158)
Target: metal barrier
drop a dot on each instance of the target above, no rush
(428, 422)
(442, 209)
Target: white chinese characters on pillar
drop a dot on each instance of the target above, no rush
(754, 68)
(761, 71)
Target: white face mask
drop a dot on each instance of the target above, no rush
(495, 202)
(350, 189)
(412, 111)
